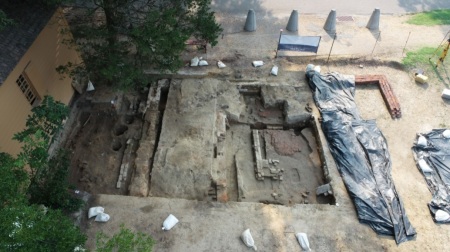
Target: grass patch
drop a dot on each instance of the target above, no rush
(419, 57)
(429, 18)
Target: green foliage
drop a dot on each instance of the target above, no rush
(435, 17)
(50, 186)
(138, 34)
(32, 228)
(426, 59)
(50, 3)
(418, 57)
(13, 181)
(5, 21)
(25, 226)
(160, 42)
(44, 122)
(48, 183)
(47, 118)
(124, 241)
(55, 2)
(34, 152)
(204, 26)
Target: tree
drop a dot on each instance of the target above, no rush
(50, 186)
(124, 241)
(5, 21)
(132, 34)
(13, 182)
(41, 125)
(48, 183)
(25, 226)
(47, 118)
(32, 228)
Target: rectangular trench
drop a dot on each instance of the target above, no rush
(294, 149)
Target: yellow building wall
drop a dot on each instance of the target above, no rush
(39, 63)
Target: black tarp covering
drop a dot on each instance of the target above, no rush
(436, 154)
(361, 154)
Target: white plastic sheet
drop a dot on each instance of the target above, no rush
(446, 134)
(274, 71)
(195, 61)
(247, 238)
(422, 141)
(90, 86)
(424, 166)
(94, 211)
(257, 63)
(169, 222)
(302, 239)
(446, 93)
(202, 63)
(220, 64)
(102, 217)
(442, 216)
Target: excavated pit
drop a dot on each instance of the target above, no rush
(129, 119)
(203, 139)
(153, 112)
(189, 164)
(286, 155)
(101, 141)
(116, 145)
(120, 129)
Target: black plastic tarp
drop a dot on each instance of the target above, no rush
(436, 153)
(361, 155)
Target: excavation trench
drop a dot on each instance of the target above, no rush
(204, 140)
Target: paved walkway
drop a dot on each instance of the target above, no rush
(353, 38)
(343, 7)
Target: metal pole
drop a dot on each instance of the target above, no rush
(379, 34)
(279, 39)
(405, 44)
(334, 38)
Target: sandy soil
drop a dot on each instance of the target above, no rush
(206, 226)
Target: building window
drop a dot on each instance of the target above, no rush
(28, 90)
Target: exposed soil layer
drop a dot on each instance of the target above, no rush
(97, 142)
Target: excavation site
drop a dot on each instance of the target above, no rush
(202, 139)
(304, 152)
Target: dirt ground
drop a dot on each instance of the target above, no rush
(330, 228)
(422, 110)
(99, 137)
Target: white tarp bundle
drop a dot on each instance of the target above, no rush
(220, 64)
(257, 63)
(247, 238)
(169, 222)
(102, 217)
(274, 71)
(94, 211)
(302, 239)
